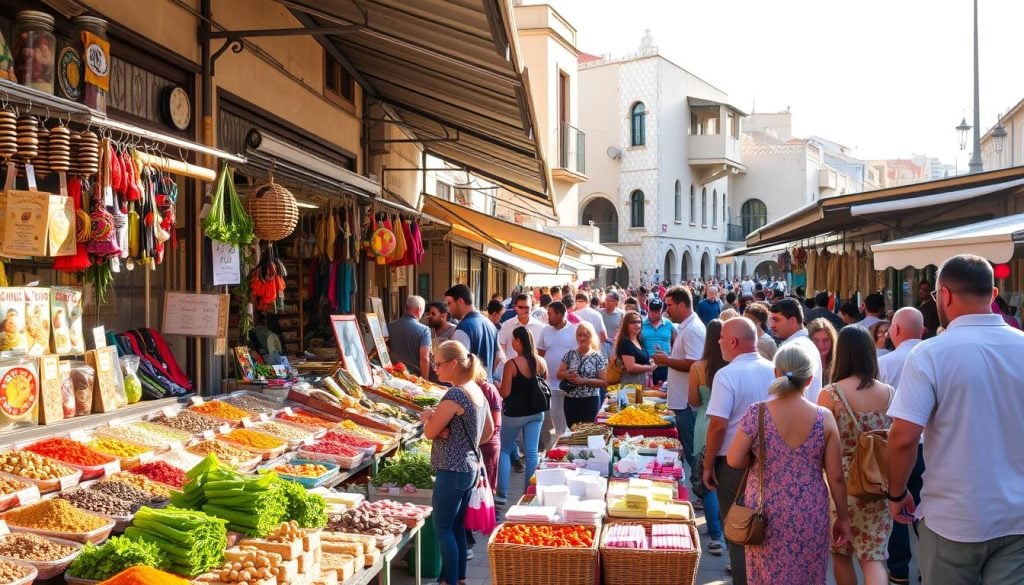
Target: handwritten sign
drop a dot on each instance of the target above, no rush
(226, 265)
(199, 315)
(378, 339)
(378, 309)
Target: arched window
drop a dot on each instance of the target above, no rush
(704, 207)
(725, 219)
(601, 213)
(714, 208)
(753, 215)
(693, 204)
(637, 128)
(636, 209)
(679, 202)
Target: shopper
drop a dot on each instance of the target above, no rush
(658, 334)
(743, 382)
(441, 330)
(758, 313)
(824, 336)
(521, 304)
(519, 415)
(702, 376)
(587, 309)
(821, 311)
(583, 372)
(710, 307)
(800, 440)
(880, 335)
(849, 313)
(926, 304)
(555, 340)
(856, 387)
(963, 388)
(457, 427)
(906, 332)
(787, 319)
(474, 330)
(686, 349)
(409, 340)
(630, 354)
(611, 315)
(874, 310)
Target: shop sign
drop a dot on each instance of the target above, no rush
(226, 265)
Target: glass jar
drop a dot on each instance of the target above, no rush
(35, 48)
(91, 35)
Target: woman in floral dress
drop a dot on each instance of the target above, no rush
(800, 439)
(855, 369)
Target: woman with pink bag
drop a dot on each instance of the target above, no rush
(457, 427)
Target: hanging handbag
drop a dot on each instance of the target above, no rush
(697, 477)
(745, 525)
(615, 369)
(540, 394)
(868, 478)
(480, 515)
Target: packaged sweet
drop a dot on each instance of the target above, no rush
(37, 317)
(83, 379)
(66, 319)
(19, 393)
(67, 390)
(132, 384)
(12, 320)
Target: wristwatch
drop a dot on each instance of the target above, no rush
(898, 498)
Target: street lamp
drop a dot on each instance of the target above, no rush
(999, 140)
(962, 131)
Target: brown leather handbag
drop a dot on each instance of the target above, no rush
(868, 478)
(745, 525)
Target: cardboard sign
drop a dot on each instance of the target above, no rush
(196, 315)
(227, 268)
(105, 397)
(26, 219)
(99, 336)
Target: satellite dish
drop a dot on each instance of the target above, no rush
(614, 153)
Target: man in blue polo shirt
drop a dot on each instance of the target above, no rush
(657, 334)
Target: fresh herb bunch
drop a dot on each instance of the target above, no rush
(407, 467)
(114, 556)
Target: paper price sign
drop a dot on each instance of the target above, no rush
(226, 265)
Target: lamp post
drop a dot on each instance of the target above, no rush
(976, 165)
(999, 141)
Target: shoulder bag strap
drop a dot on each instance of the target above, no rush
(760, 456)
(853, 415)
(465, 429)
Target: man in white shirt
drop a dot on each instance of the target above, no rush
(787, 317)
(555, 340)
(747, 287)
(612, 315)
(906, 332)
(687, 348)
(743, 382)
(874, 310)
(587, 310)
(521, 304)
(964, 388)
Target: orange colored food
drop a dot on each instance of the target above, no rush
(546, 535)
(223, 411)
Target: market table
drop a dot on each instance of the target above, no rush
(382, 568)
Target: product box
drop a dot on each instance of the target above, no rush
(106, 393)
(51, 401)
(66, 318)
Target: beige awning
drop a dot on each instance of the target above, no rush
(996, 240)
(451, 72)
(488, 230)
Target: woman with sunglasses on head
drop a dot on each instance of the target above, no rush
(459, 424)
(630, 354)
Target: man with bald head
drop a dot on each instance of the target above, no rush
(906, 331)
(738, 385)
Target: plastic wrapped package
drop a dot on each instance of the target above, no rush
(132, 384)
(83, 379)
(67, 389)
(19, 393)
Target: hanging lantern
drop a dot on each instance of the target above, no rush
(273, 211)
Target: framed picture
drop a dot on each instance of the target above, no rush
(350, 345)
(378, 339)
(378, 309)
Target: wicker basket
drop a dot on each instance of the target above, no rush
(273, 211)
(624, 566)
(518, 564)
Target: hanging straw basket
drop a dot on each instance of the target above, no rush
(273, 211)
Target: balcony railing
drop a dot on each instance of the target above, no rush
(572, 151)
(736, 233)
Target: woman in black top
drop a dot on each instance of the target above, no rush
(518, 415)
(635, 361)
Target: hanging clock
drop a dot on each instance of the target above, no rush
(176, 107)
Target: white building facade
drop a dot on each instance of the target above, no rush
(663, 152)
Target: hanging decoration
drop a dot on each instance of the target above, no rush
(232, 225)
(273, 210)
(266, 281)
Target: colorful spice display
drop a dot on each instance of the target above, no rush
(9, 485)
(546, 535)
(124, 491)
(30, 547)
(133, 433)
(163, 431)
(331, 448)
(142, 575)
(13, 572)
(116, 448)
(99, 502)
(301, 470)
(226, 454)
(310, 420)
(283, 431)
(252, 404)
(69, 451)
(57, 515)
(249, 438)
(190, 422)
(139, 482)
(223, 411)
(162, 472)
(349, 439)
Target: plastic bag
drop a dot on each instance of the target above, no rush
(132, 384)
(67, 389)
(83, 379)
(480, 515)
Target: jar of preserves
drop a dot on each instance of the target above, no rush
(34, 50)
(91, 33)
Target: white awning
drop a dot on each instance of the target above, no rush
(729, 256)
(597, 255)
(995, 240)
(536, 274)
(929, 200)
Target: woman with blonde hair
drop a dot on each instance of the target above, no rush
(635, 361)
(583, 372)
(800, 440)
(459, 424)
(823, 334)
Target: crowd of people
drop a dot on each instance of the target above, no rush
(744, 366)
